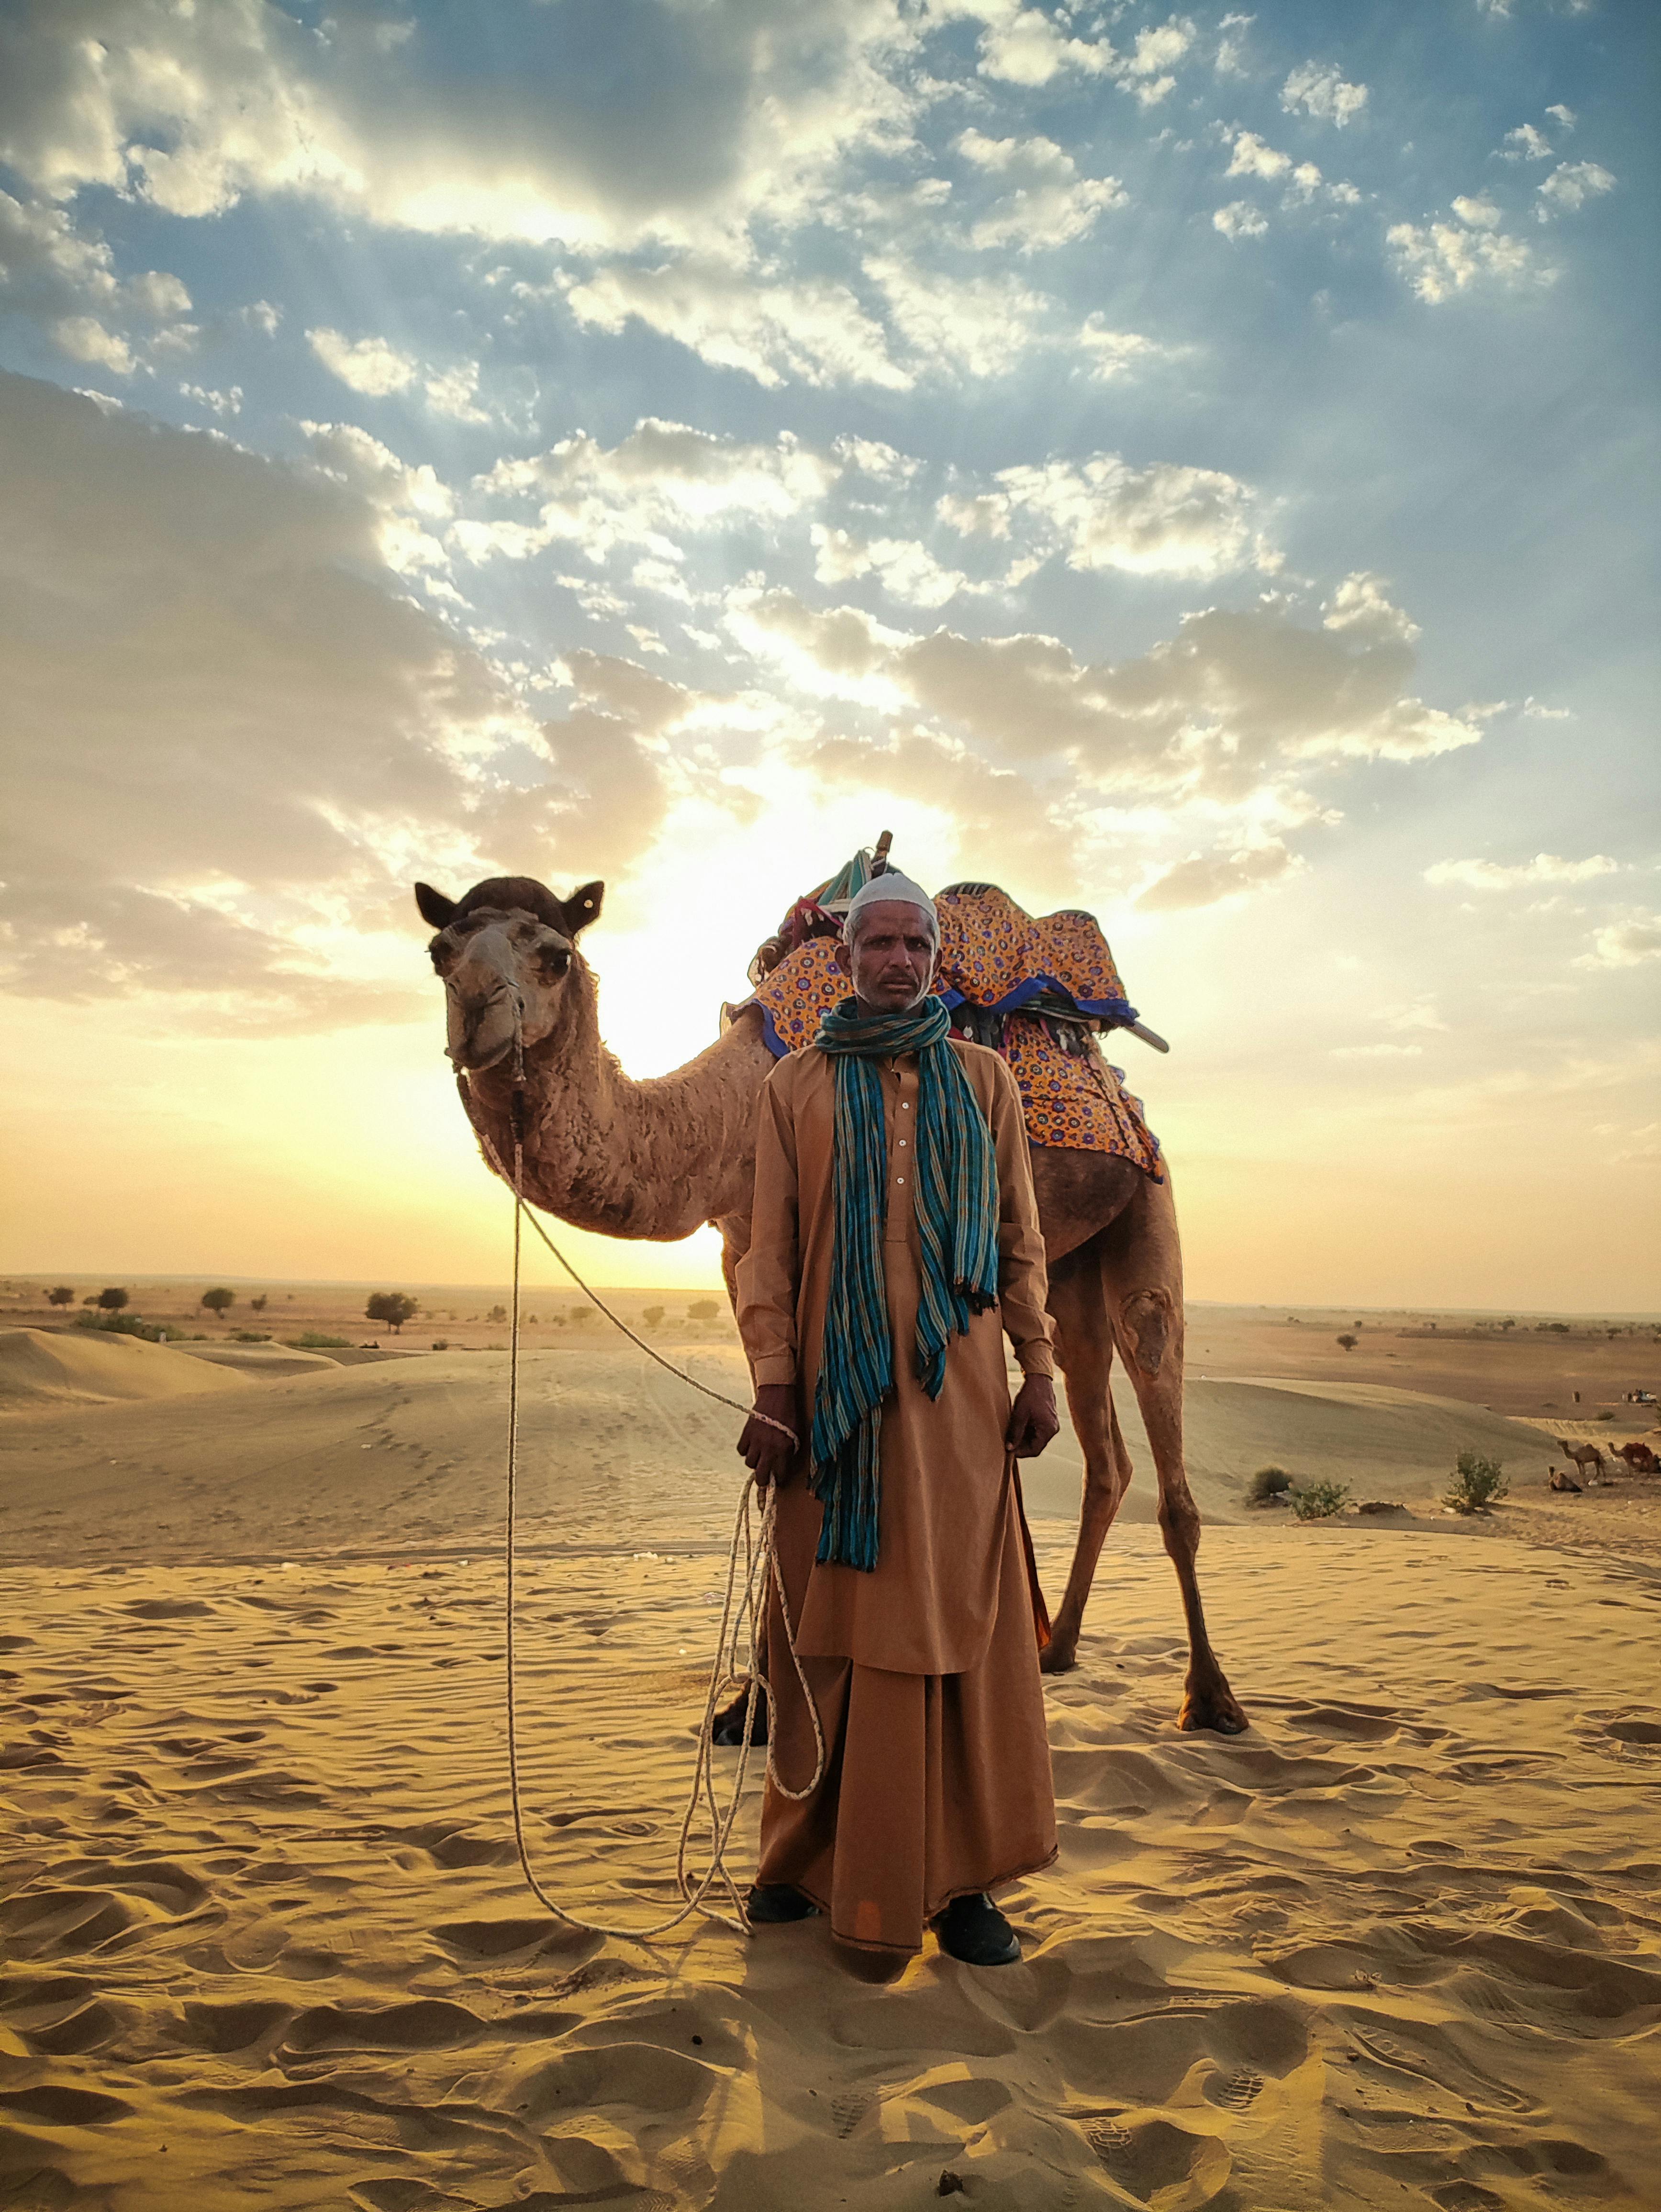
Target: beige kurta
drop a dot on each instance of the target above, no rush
(925, 1670)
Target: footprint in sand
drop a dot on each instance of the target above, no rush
(848, 2110)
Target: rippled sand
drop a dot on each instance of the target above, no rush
(267, 1943)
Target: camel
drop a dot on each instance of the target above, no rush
(1640, 1458)
(1584, 1455)
(656, 1159)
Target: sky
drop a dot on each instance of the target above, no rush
(1197, 466)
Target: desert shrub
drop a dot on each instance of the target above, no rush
(1268, 1482)
(251, 1336)
(218, 1301)
(440, 1344)
(312, 1339)
(127, 1324)
(652, 1316)
(496, 1313)
(1348, 1342)
(703, 1310)
(258, 1305)
(393, 1307)
(580, 1316)
(63, 1296)
(1478, 1484)
(112, 1301)
(1605, 1416)
(1319, 1501)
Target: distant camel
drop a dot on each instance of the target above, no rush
(1584, 1455)
(1639, 1458)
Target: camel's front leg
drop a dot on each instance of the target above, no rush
(1143, 1267)
(1084, 1345)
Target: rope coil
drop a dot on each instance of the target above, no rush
(758, 1548)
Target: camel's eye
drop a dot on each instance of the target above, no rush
(553, 960)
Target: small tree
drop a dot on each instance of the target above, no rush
(1319, 1501)
(496, 1313)
(1349, 1341)
(652, 1316)
(258, 1305)
(702, 1310)
(394, 1308)
(63, 1296)
(1269, 1483)
(1478, 1484)
(112, 1301)
(219, 1301)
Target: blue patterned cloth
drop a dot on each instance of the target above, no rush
(957, 1211)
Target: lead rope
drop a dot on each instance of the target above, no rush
(761, 1566)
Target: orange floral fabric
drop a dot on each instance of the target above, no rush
(990, 952)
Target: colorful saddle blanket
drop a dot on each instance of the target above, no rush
(1036, 990)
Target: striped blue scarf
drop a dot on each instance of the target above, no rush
(956, 1192)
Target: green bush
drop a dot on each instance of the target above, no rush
(1268, 1482)
(251, 1336)
(1478, 1484)
(1319, 1501)
(126, 1324)
(311, 1340)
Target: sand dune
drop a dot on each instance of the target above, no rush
(408, 1452)
(267, 1943)
(41, 1369)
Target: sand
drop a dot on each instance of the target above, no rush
(266, 1944)
(41, 1370)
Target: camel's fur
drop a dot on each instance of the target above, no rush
(656, 1159)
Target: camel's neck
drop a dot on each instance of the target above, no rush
(651, 1159)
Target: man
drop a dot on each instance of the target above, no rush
(894, 1243)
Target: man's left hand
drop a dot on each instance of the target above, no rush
(1033, 1419)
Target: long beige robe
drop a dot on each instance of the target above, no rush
(925, 1671)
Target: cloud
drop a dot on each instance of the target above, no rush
(1239, 219)
(908, 570)
(1111, 354)
(1565, 116)
(1625, 944)
(370, 366)
(1570, 186)
(1204, 878)
(742, 110)
(1045, 203)
(1162, 521)
(64, 279)
(661, 481)
(1443, 258)
(1227, 714)
(1022, 46)
(1377, 1051)
(1253, 158)
(1543, 868)
(735, 316)
(1525, 144)
(1318, 90)
(979, 325)
(232, 731)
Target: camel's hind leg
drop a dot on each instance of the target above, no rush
(1142, 1268)
(1084, 1346)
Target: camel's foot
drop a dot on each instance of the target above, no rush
(728, 1727)
(1212, 1705)
(1059, 1655)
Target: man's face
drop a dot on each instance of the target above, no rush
(891, 961)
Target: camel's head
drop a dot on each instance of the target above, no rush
(503, 951)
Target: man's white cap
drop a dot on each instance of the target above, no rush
(893, 887)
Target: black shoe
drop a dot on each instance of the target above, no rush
(973, 1929)
(770, 1901)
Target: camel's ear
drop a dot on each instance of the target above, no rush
(434, 907)
(582, 907)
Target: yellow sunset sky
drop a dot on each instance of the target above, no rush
(1167, 466)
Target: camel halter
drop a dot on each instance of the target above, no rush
(761, 1567)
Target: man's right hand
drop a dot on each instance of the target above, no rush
(766, 1451)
